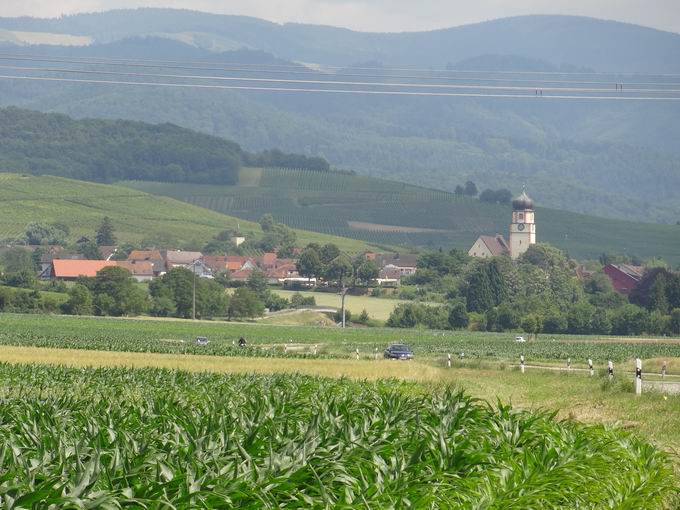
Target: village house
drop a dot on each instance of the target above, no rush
(241, 275)
(396, 265)
(624, 277)
(278, 274)
(240, 262)
(268, 260)
(179, 258)
(142, 271)
(152, 256)
(72, 269)
(230, 263)
(216, 263)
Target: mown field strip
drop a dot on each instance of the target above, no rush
(381, 369)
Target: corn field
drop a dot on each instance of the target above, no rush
(178, 337)
(122, 438)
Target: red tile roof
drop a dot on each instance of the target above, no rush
(215, 262)
(236, 262)
(178, 257)
(74, 268)
(283, 271)
(242, 274)
(269, 259)
(145, 255)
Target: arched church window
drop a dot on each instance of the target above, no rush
(521, 216)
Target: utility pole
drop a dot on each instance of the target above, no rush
(344, 291)
(193, 310)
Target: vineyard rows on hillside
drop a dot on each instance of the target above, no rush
(327, 202)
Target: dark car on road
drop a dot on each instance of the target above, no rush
(398, 351)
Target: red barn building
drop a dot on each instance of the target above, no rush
(624, 277)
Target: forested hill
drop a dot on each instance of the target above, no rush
(114, 150)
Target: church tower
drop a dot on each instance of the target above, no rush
(523, 226)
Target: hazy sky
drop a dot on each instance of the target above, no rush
(379, 15)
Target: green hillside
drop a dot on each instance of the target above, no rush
(136, 215)
(389, 212)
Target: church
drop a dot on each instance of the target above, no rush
(522, 233)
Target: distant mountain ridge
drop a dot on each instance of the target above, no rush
(605, 46)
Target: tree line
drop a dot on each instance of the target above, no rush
(539, 293)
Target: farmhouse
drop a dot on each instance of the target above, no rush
(396, 265)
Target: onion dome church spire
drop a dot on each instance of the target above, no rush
(523, 202)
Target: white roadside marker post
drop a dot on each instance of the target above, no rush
(638, 376)
(663, 371)
(376, 354)
(448, 362)
(610, 369)
(568, 364)
(316, 347)
(285, 348)
(590, 367)
(462, 357)
(357, 353)
(521, 363)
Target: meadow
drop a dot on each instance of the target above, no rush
(377, 308)
(136, 215)
(148, 438)
(386, 212)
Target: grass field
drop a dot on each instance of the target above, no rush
(298, 318)
(57, 297)
(377, 308)
(391, 213)
(136, 215)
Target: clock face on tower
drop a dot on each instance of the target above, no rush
(520, 227)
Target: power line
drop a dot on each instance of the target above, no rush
(336, 91)
(295, 69)
(341, 83)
